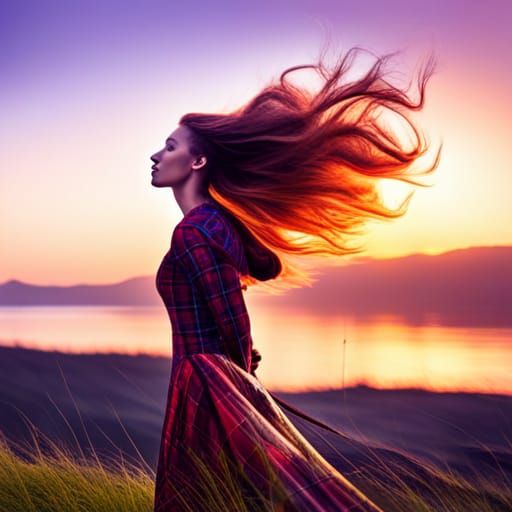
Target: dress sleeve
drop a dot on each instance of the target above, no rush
(211, 270)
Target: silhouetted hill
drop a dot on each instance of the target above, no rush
(138, 291)
(461, 287)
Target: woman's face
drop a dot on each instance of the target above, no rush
(174, 163)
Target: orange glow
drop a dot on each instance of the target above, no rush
(299, 351)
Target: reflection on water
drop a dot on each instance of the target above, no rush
(300, 351)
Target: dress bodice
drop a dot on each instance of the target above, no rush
(199, 282)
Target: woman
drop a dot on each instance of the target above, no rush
(289, 160)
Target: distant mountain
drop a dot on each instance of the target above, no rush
(460, 287)
(463, 287)
(138, 291)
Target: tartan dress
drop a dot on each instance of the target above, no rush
(215, 406)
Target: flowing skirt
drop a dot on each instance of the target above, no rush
(224, 434)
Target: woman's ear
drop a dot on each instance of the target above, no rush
(199, 162)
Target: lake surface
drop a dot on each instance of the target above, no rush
(299, 351)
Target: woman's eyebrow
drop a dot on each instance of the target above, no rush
(173, 139)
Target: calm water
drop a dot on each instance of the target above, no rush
(299, 352)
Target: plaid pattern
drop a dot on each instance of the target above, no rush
(214, 404)
(199, 282)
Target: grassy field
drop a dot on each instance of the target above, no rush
(45, 477)
(81, 433)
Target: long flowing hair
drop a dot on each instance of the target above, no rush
(300, 169)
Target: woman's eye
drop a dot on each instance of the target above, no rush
(170, 148)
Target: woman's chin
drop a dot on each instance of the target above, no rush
(156, 183)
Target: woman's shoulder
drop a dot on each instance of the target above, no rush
(203, 223)
(207, 225)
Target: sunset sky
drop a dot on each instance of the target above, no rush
(90, 90)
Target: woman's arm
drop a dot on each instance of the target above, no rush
(210, 268)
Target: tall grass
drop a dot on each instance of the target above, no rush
(52, 479)
(44, 476)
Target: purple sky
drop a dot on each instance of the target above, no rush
(90, 90)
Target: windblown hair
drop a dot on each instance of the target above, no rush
(300, 169)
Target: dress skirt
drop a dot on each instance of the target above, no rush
(227, 445)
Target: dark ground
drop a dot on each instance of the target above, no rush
(460, 431)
